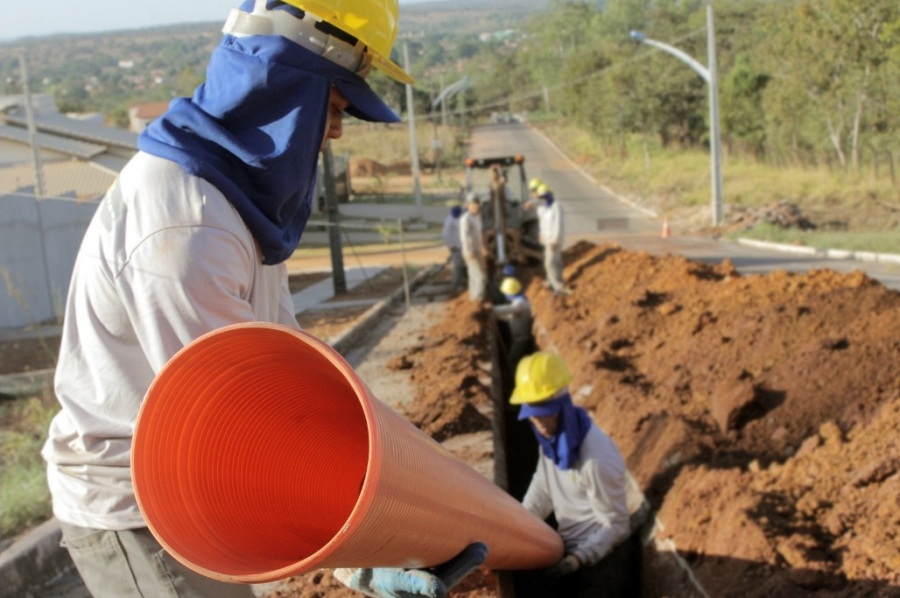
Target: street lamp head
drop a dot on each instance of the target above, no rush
(637, 36)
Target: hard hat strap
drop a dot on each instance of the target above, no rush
(353, 57)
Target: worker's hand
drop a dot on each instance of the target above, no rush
(564, 566)
(387, 582)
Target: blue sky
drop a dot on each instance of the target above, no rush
(20, 18)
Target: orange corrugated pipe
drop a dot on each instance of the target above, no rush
(259, 454)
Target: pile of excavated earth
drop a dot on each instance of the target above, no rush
(760, 414)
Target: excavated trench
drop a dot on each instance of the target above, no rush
(515, 459)
(758, 414)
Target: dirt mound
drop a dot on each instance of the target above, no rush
(451, 373)
(759, 413)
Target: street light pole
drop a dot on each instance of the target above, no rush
(708, 75)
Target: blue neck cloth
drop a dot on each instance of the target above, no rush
(548, 198)
(456, 211)
(254, 130)
(563, 448)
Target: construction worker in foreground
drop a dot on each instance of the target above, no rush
(473, 251)
(193, 236)
(581, 479)
(550, 226)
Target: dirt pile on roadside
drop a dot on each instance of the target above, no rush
(451, 372)
(759, 413)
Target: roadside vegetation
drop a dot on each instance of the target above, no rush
(854, 211)
(24, 496)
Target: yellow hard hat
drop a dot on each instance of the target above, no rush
(539, 376)
(534, 183)
(510, 286)
(373, 22)
(542, 190)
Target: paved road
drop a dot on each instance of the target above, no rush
(595, 213)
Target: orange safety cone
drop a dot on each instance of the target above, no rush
(259, 454)
(666, 233)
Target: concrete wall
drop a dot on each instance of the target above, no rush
(39, 242)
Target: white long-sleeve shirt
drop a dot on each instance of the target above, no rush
(550, 223)
(518, 314)
(589, 500)
(165, 260)
(470, 237)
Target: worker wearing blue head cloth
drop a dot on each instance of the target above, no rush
(254, 129)
(191, 237)
(581, 479)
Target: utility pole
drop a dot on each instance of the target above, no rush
(709, 75)
(414, 148)
(338, 278)
(39, 189)
(715, 136)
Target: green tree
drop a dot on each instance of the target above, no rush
(743, 118)
(833, 53)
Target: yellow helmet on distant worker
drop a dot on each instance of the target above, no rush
(542, 190)
(539, 376)
(372, 22)
(534, 183)
(510, 286)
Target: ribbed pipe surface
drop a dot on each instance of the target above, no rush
(259, 454)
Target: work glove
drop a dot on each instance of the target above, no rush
(564, 566)
(387, 582)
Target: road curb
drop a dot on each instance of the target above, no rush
(345, 341)
(834, 254)
(34, 561)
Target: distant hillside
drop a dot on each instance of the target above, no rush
(465, 16)
(107, 72)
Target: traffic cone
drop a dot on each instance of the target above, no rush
(259, 454)
(666, 233)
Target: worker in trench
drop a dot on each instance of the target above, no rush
(515, 313)
(581, 480)
(193, 236)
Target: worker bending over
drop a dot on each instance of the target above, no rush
(516, 313)
(581, 479)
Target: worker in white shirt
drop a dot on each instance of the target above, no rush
(515, 312)
(582, 480)
(473, 251)
(551, 232)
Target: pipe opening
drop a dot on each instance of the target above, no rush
(244, 466)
